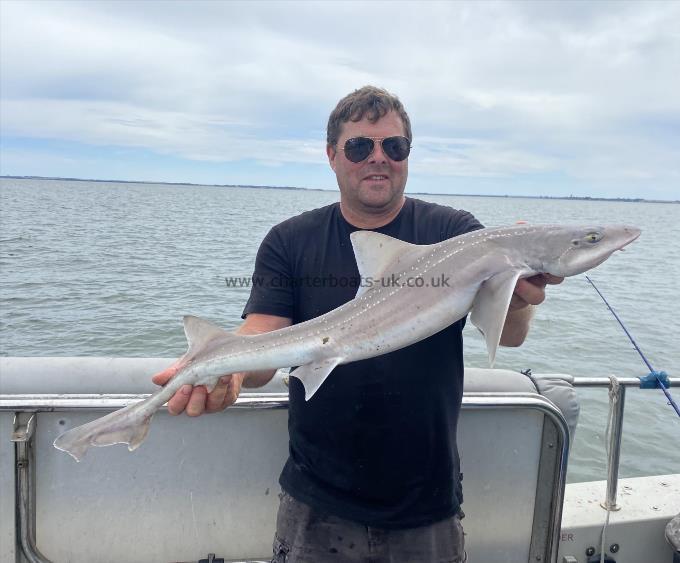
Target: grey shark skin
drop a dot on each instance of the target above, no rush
(479, 272)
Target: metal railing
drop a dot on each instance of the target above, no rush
(617, 399)
(22, 436)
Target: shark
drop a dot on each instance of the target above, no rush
(414, 291)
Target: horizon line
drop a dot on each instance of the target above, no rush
(569, 197)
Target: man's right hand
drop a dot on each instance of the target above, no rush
(196, 401)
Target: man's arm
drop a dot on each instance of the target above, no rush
(528, 293)
(196, 400)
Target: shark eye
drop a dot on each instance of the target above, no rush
(593, 237)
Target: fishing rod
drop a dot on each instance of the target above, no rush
(658, 375)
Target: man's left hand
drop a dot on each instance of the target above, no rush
(531, 291)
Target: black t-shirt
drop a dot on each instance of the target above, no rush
(376, 444)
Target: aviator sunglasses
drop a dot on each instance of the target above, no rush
(360, 148)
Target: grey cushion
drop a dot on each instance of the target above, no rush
(559, 390)
(673, 533)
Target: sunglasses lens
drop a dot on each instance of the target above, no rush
(358, 149)
(397, 148)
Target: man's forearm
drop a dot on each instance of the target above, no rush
(257, 378)
(260, 324)
(516, 326)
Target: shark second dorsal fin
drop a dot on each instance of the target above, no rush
(375, 252)
(199, 331)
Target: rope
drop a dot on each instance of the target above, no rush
(657, 375)
(613, 400)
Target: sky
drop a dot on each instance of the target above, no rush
(505, 98)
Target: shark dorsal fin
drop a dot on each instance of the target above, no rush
(375, 252)
(199, 331)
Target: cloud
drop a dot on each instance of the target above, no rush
(494, 89)
(475, 158)
(189, 136)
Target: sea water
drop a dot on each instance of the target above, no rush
(109, 269)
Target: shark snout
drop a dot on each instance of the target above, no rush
(626, 235)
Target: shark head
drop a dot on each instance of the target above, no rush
(567, 251)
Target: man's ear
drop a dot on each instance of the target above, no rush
(332, 154)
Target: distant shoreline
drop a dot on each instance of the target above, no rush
(570, 197)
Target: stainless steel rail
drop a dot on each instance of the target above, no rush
(46, 402)
(24, 428)
(49, 402)
(623, 381)
(107, 402)
(617, 400)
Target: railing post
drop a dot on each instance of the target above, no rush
(617, 400)
(24, 428)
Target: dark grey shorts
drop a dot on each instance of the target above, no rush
(304, 535)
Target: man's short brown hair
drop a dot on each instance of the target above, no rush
(368, 101)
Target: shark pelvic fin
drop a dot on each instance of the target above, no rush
(490, 308)
(375, 252)
(199, 331)
(314, 374)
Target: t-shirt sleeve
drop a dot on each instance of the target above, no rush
(271, 292)
(462, 222)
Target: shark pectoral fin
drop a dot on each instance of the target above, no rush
(490, 307)
(314, 374)
(375, 252)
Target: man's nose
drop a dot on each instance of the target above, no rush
(377, 155)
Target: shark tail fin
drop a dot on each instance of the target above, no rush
(129, 425)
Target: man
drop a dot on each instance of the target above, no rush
(373, 472)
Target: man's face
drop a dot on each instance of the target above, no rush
(376, 184)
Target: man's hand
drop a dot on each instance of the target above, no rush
(196, 400)
(531, 291)
(528, 291)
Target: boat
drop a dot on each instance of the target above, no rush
(206, 490)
